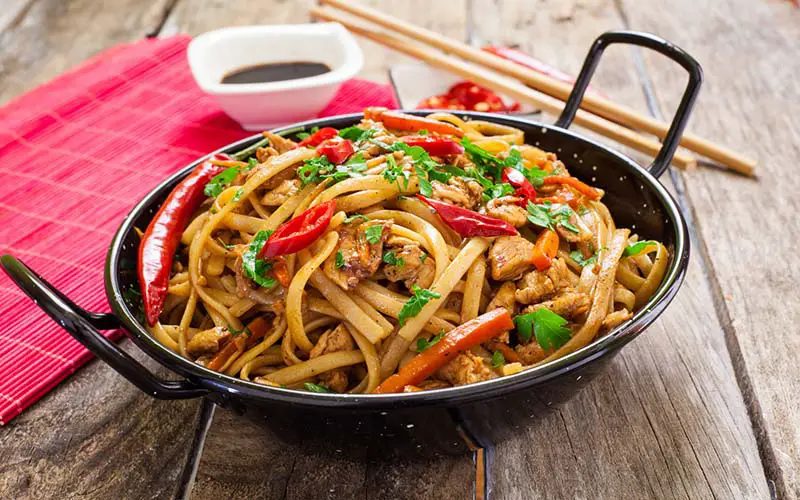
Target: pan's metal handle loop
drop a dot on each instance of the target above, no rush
(673, 137)
(84, 325)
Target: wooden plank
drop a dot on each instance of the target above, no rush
(96, 436)
(748, 227)
(667, 420)
(53, 36)
(95, 432)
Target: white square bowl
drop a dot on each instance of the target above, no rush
(258, 106)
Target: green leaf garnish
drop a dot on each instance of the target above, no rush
(255, 268)
(320, 168)
(419, 298)
(356, 134)
(637, 248)
(547, 326)
(238, 195)
(373, 233)
(350, 219)
(394, 172)
(217, 183)
(339, 260)
(423, 344)
(498, 359)
(392, 259)
(582, 261)
(302, 135)
(545, 215)
(316, 388)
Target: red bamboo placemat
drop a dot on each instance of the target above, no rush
(77, 153)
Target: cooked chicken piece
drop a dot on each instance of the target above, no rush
(278, 179)
(466, 368)
(458, 191)
(508, 209)
(538, 285)
(510, 257)
(616, 318)
(280, 144)
(280, 194)
(335, 340)
(208, 341)
(416, 269)
(360, 257)
(531, 352)
(567, 305)
(431, 384)
(264, 154)
(503, 298)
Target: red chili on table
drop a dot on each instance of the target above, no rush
(299, 232)
(319, 136)
(468, 96)
(468, 223)
(336, 150)
(525, 189)
(163, 235)
(434, 145)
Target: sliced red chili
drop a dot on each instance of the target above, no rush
(468, 223)
(163, 235)
(300, 232)
(525, 189)
(434, 145)
(319, 136)
(336, 150)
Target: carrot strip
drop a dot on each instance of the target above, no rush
(456, 341)
(410, 123)
(581, 187)
(545, 249)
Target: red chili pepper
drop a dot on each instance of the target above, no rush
(336, 150)
(525, 189)
(162, 236)
(435, 145)
(468, 223)
(468, 96)
(319, 136)
(300, 232)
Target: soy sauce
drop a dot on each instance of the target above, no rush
(276, 72)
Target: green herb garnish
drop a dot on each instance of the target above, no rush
(637, 248)
(238, 195)
(423, 344)
(320, 168)
(392, 259)
(582, 261)
(217, 183)
(356, 134)
(350, 219)
(394, 172)
(412, 307)
(373, 233)
(547, 326)
(498, 359)
(339, 260)
(255, 268)
(302, 135)
(316, 388)
(546, 216)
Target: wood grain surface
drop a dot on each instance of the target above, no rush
(703, 405)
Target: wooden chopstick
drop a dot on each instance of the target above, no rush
(550, 86)
(506, 86)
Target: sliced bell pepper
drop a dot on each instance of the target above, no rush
(319, 137)
(474, 332)
(434, 145)
(300, 232)
(410, 123)
(468, 223)
(524, 188)
(545, 249)
(336, 150)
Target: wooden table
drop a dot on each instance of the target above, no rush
(704, 405)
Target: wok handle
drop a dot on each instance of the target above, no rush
(673, 137)
(84, 325)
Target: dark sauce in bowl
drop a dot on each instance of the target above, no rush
(276, 72)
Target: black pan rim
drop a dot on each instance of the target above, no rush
(235, 387)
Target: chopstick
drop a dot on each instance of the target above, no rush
(550, 86)
(506, 86)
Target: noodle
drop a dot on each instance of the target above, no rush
(384, 275)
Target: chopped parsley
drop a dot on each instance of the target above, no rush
(356, 134)
(637, 248)
(238, 195)
(392, 259)
(424, 166)
(423, 257)
(316, 388)
(350, 219)
(339, 260)
(412, 307)
(490, 189)
(255, 268)
(548, 217)
(582, 261)
(423, 344)
(320, 168)
(423, 131)
(373, 233)
(547, 326)
(302, 135)
(490, 165)
(217, 183)
(225, 245)
(498, 359)
(394, 172)
(234, 332)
